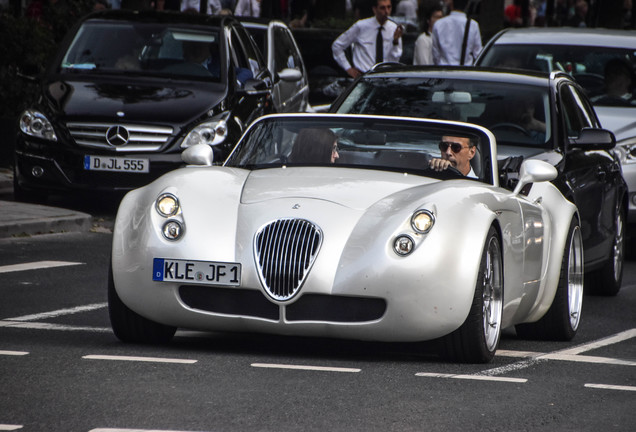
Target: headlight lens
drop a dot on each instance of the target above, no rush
(626, 151)
(209, 132)
(36, 124)
(422, 221)
(403, 245)
(167, 205)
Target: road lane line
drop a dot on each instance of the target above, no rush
(14, 353)
(588, 359)
(131, 430)
(50, 326)
(59, 312)
(472, 377)
(139, 359)
(304, 367)
(8, 427)
(610, 387)
(617, 338)
(36, 266)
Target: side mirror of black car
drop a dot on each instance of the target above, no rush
(255, 87)
(594, 139)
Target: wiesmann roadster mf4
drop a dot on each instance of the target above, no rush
(337, 226)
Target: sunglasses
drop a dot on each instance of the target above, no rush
(455, 147)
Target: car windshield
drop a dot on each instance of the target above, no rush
(605, 73)
(379, 143)
(516, 114)
(145, 48)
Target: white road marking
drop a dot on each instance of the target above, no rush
(131, 430)
(59, 312)
(472, 377)
(50, 326)
(617, 338)
(13, 353)
(8, 427)
(139, 359)
(304, 367)
(611, 387)
(36, 266)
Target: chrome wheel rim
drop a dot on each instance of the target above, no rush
(492, 295)
(575, 278)
(618, 246)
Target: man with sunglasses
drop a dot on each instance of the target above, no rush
(457, 153)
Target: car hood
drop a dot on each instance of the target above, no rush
(165, 101)
(620, 120)
(351, 188)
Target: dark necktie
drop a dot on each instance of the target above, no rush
(379, 50)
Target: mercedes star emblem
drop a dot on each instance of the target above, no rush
(117, 135)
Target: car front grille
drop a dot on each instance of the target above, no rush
(285, 251)
(120, 137)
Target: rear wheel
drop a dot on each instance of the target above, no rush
(477, 339)
(607, 280)
(562, 319)
(129, 326)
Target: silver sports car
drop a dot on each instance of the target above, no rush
(349, 226)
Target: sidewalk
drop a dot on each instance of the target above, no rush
(21, 219)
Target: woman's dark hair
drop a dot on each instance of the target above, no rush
(313, 145)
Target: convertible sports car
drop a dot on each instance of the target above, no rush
(335, 226)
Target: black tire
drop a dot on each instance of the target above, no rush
(562, 320)
(129, 326)
(478, 337)
(607, 280)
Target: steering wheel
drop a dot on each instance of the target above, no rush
(512, 126)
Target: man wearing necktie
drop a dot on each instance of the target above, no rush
(373, 40)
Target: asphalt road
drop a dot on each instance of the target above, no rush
(62, 369)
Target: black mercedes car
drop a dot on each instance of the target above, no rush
(532, 115)
(128, 91)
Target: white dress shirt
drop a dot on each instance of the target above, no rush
(448, 35)
(214, 6)
(423, 50)
(362, 35)
(249, 8)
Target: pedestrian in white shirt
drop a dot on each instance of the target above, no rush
(373, 40)
(423, 50)
(214, 6)
(448, 38)
(249, 8)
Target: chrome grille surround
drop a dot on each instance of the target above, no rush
(140, 137)
(285, 250)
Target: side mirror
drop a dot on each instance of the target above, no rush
(533, 171)
(290, 75)
(594, 139)
(199, 154)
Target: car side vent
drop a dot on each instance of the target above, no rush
(285, 251)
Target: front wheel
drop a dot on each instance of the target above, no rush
(477, 339)
(607, 280)
(129, 326)
(562, 320)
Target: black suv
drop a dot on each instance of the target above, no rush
(128, 91)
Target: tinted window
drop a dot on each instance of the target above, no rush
(575, 111)
(286, 54)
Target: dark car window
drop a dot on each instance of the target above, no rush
(586, 64)
(246, 57)
(575, 111)
(502, 107)
(286, 54)
(145, 48)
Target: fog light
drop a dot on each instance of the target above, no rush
(403, 245)
(422, 221)
(172, 230)
(37, 171)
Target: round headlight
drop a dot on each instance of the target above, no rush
(167, 205)
(422, 221)
(172, 230)
(403, 245)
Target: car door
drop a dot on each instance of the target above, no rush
(591, 176)
(288, 69)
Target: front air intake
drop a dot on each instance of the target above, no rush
(285, 251)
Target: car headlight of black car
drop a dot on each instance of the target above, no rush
(35, 124)
(211, 132)
(626, 151)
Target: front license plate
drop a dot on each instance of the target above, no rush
(200, 272)
(117, 164)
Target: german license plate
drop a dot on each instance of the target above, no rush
(199, 272)
(117, 164)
